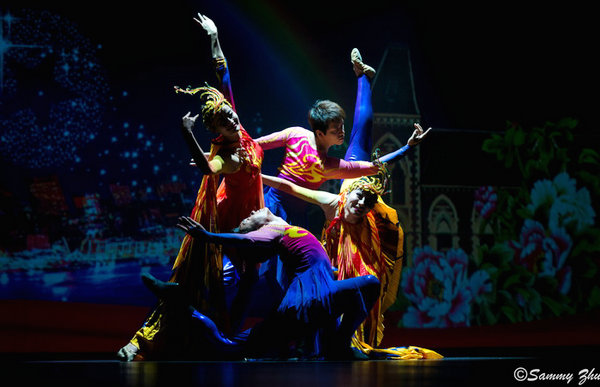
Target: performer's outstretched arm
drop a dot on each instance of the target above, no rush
(221, 68)
(200, 159)
(250, 240)
(211, 29)
(352, 169)
(306, 194)
(417, 136)
(277, 139)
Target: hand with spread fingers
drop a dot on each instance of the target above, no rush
(190, 226)
(211, 29)
(208, 25)
(188, 121)
(418, 135)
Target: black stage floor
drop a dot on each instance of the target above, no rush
(477, 367)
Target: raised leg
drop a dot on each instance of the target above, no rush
(360, 144)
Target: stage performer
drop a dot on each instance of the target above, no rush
(362, 235)
(313, 300)
(358, 152)
(198, 268)
(306, 162)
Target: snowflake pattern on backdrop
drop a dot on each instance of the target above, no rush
(53, 90)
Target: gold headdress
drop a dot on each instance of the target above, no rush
(376, 184)
(212, 101)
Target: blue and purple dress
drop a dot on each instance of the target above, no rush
(309, 282)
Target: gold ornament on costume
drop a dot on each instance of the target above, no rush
(212, 101)
(375, 184)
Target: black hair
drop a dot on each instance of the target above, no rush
(324, 112)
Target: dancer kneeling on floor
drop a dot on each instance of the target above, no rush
(313, 300)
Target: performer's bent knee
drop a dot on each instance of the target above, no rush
(370, 287)
(371, 281)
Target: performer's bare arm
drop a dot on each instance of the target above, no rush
(418, 135)
(219, 163)
(309, 195)
(211, 29)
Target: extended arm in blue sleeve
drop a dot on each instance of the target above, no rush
(393, 156)
(224, 78)
(251, 240)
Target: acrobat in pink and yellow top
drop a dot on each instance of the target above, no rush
(305, 166)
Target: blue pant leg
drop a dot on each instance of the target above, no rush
(361, 143)
(353, 298)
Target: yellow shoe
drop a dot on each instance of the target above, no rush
(358, 65)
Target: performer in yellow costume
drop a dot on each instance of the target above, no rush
(201, 268)
(362, 234)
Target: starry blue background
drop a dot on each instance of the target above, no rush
(92, 95)
(87, 96)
